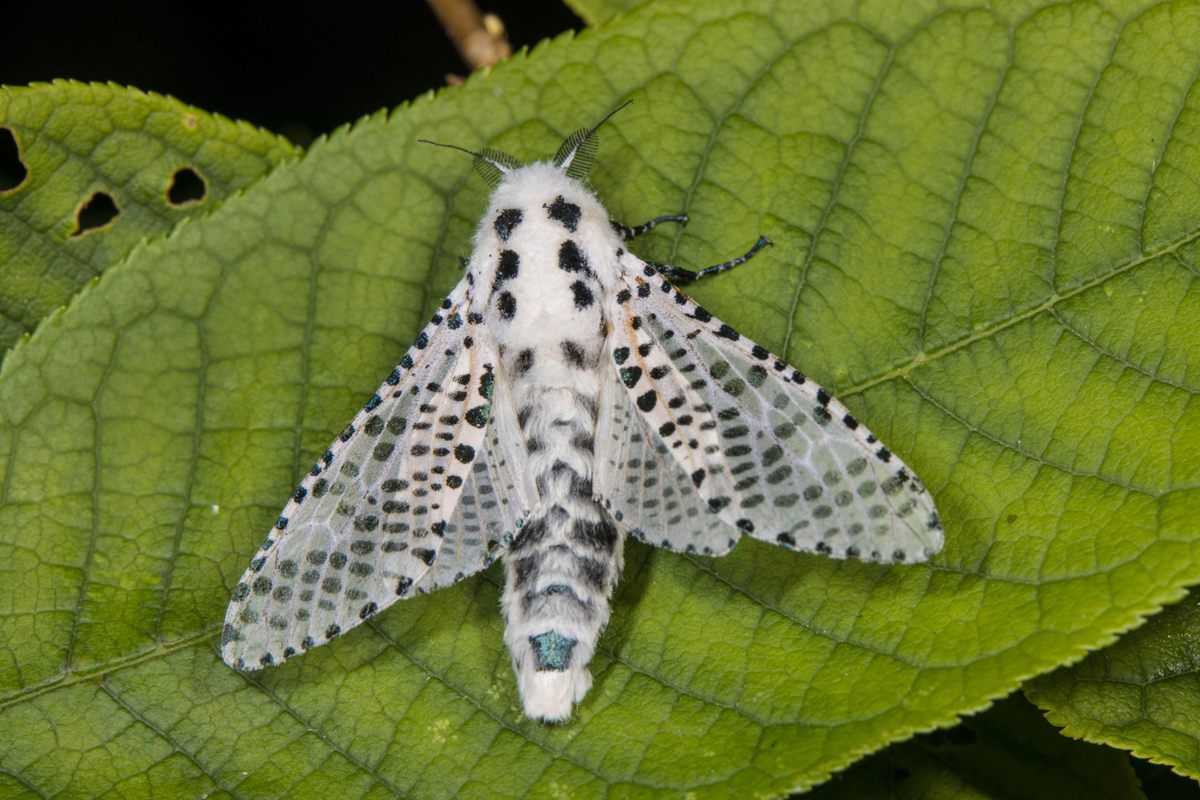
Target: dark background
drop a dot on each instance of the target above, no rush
(300, 69)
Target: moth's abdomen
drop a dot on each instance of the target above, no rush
(560, 573)
(563, 564)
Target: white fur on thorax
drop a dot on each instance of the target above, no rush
(537, 239)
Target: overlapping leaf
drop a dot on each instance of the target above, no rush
(594, 11)
(1007, 751)
(985, 232)
(140, 162)
(1142, 694)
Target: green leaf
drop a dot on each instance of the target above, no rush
(1007, 751)
(81, 143)
(985, 232)
(1141, 694)
(594, 12)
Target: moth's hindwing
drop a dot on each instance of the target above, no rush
(643, 484)
(383, 513)
(747, 438)
(497, 498)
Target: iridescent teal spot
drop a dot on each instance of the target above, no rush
(551, 651)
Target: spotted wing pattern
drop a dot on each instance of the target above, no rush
(770, 452)
(644, 486)
(500, 492)
(376, 519)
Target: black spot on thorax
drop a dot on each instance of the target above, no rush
(507, 305)
(563, 212)
(506, 221)
(509, 265)
(582, 295)
(571, 258)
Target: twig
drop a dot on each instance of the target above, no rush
(479, 38)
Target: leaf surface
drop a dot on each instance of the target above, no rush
(596, 11)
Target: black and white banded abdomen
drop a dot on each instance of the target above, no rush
(561, 567)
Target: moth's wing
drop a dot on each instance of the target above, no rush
(643, 485)
(370, 523)
(500, 492)
(770, 452)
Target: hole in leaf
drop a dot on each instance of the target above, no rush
(12, 170)
(187, 187)
(99, 210)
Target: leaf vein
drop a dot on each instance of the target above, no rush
(166, 737)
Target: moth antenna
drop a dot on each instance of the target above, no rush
(576, 154)
(492, 165)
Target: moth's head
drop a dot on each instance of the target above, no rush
(573, 159)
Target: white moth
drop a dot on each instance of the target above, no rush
(564, 395)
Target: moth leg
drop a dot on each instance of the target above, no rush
(627, 232)
(681, 275)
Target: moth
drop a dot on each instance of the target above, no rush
(566, 395)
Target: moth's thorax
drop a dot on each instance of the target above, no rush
(544, 254)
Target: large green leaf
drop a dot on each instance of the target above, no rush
(81, 142)
(1143, 693)
(984, 227)
(595, 11)
(1007, 751)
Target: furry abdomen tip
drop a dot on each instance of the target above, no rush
(549, 695)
